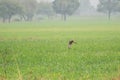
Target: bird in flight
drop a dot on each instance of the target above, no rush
(71, 43)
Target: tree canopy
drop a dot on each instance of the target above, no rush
(8, 9)
(29, 8)
(45, 8)
(108, 6)
(65, 7)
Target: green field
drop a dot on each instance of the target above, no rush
(38, 51)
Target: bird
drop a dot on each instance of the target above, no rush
(70, 43)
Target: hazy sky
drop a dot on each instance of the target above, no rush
(93, 2)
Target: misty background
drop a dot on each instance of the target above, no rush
(94, 3)
(37, 10)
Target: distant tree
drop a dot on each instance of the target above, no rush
(86, 8)
(118, 8)
(3, 11)
(65, 7)
(108, 6)
(29, 8)
(45, 8)
(8, 9)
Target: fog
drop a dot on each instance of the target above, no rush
(93, 2)
(32, 10)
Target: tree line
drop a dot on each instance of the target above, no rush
(26, 9)
(109, 7)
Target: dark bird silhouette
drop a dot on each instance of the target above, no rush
(71, 43)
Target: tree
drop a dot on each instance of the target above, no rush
(65, 7)
(29, 8)
(108, 6)
(3, 11)
(8, 9)
(118, 8)
(45, 8)
(86, 8)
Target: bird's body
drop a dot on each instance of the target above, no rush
(70, 43)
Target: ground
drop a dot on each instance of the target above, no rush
(35, 51)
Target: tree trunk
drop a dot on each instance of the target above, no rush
(65, 17)
(109, 15)
(24, 17)
(3, 20)
(9, 19)
(62, 17)
(21, 18)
